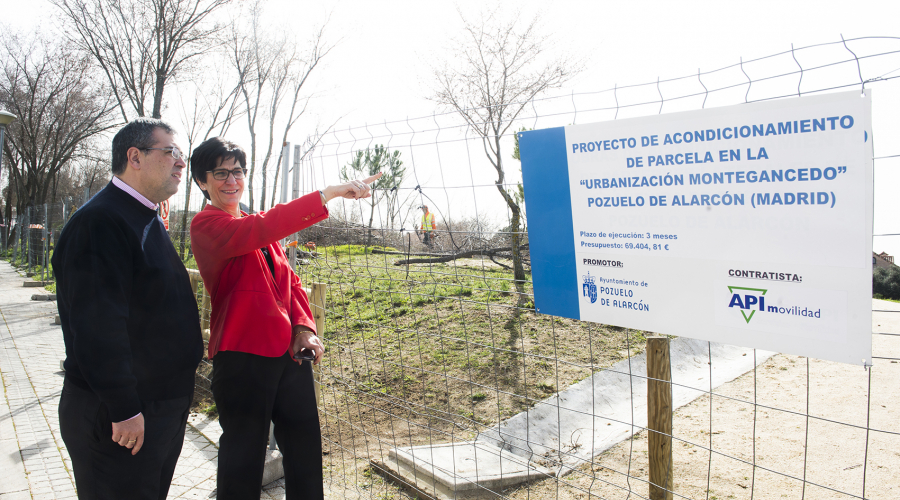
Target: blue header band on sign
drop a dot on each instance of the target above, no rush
(551, 239)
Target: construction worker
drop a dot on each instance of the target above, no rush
(428, 227)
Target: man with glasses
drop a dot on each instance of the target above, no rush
(130, 324)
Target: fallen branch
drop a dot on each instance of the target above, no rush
(386, 252)
(504, 266)
(462, 255)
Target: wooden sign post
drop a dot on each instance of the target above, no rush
(659, 417)
(317, 301)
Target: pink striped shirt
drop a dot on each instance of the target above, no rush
(119, 183)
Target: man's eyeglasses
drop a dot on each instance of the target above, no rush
(222, 174)
(175, 152)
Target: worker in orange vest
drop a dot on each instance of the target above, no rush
(428, 226)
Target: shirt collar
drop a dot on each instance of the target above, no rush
(119, 183)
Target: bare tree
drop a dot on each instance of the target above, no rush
(48, 86)
(270, 70)
(303, 67)
(500, 66)
(84, 175)
(212, 109)
(141, 44)
(91, 176)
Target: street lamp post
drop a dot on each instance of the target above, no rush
(5, 119)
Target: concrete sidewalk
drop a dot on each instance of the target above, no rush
(34, 463)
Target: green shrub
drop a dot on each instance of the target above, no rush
(886, 282)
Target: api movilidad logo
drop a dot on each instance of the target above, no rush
(748, 301)
(753, 302)
(589, 288)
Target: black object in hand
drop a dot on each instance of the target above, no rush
(306, 354)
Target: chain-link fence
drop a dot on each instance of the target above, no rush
(440, 380)
(27, 241)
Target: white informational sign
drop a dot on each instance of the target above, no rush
(749, 225)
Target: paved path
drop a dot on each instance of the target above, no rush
(34, 463)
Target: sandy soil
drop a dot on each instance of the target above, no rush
(833, 461)
(831, 449)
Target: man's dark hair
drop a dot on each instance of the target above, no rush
(210, 154)
(138, 133)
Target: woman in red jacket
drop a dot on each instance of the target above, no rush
(260, 319)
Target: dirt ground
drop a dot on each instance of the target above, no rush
(831, 449)
(448, 390)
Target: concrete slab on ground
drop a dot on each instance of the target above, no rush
(36, 284)
(568, 429)
(593, 415)
(461, 470)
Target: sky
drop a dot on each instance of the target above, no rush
(381, 68)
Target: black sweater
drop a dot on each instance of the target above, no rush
(129, 317)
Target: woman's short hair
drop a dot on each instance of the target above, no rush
(210, 154)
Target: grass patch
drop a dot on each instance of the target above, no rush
(882, 297)
(352, 250)
(422, 346)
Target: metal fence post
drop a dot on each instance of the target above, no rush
(295, 193)
(45, 246)
(204, 310)
(16, 239)
(22, 229)
(659, 417)
(273, 445)
(22, 241)
(29, 247)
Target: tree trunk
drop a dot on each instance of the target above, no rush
(514, 222)
(158, 94)
(371, 218)
(262, 197)
(252, 165)
(275, 182)
(518, 269)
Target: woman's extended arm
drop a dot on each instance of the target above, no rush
(353, 190)
(229, 236)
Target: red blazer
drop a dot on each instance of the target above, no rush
(251, 312)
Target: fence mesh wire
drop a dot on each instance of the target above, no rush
(423, 353)
(433, 344)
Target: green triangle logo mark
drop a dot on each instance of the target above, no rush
(743, 312)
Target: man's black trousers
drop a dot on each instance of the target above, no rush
(106, 471)
(251, 391)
